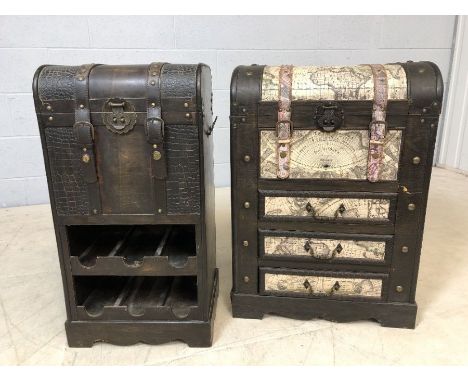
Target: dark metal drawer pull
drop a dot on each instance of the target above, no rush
(334, 288)
(322, 252)
(308, 286)
(339, 212)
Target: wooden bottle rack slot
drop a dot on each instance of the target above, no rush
(130, 298)
(168, 250)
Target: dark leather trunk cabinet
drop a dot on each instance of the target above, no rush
(302, 246)
(129, 161)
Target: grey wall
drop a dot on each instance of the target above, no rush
(222, 42)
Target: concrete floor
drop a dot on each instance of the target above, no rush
(32, 310)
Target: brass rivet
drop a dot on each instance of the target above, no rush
(153, 104)
(245, 243)
(185, 104)
(81, 106)
(246, 205)
(424, 110)
(435, 103)
(432, 125)
(85, 158)
(411, 206)
(246, 158)
(122, 119)
(416, 160)
(244, 110)
(404, 249)
(95, 211)
(243, 119)
(85, 149)
(160, 210)
(399, 288)
(49, 107)
(422, 120)
(51, 118)
(156, 155)
(187, 115)
(246, 279)
(153, 83)
(155, 146)
(114, 119)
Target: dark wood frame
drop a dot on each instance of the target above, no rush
(196, 329)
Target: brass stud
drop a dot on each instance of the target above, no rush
(49, 107)
(153, 83)
(114, 119)
(153, 104)
(399, 288)
(160, 210)
(416, 160)
(95, 211)
(81, 106)
(187, 115)
(155, 146)
(245, 243)
(246, 279)
(244, 110)
(51, 118)
(433, 125)
(404, 249)
(422, 120)
(156, 155)
(424, 110)
(185, 104)
(85, 158)
(246, 158)
(85, 149)
(243, 119)
(246, 205)
(435, 103)
(411, 207)
(122, 119)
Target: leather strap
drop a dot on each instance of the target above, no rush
(84, 132)
(284, 125)
(155, 135)
(378, 126)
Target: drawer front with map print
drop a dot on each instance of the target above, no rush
(323, 284)
(335, 248)
(329, 208)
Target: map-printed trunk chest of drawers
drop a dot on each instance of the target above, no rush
(128, 154)
(330, 171)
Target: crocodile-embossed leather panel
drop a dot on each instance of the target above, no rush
(322, 155)
(314, 285)
(327, 208)
(57, 82)
(70, 192)
(183, 167)
(320, 248)
(178, 81)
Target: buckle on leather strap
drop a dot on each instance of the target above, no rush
(84, 132)
(291, 126)
(155, 129)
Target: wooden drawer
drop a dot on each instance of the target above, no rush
(329, 206)
(334, 285)
(323, 248)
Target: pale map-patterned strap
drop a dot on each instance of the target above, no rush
(378, 125)
(284, 124)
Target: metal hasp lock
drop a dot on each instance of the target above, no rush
(119, 115)
(329, 116)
